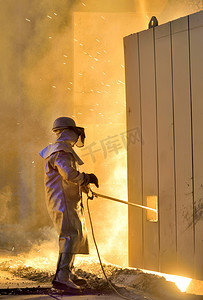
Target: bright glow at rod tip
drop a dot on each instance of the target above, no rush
(181, 282)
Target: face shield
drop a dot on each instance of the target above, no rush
(81, 139)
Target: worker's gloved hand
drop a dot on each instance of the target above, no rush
(93, 179)
(85, 189)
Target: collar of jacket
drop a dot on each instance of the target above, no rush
(60, 146)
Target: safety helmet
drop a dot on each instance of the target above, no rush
(62, 123)
(66, 122)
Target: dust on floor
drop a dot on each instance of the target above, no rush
(16, 275)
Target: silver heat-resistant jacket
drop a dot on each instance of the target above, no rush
(63, 194)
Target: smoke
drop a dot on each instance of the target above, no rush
(63, 57)
(36, 66)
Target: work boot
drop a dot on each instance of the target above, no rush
(77, 279)
(62, 278)
(63, 281)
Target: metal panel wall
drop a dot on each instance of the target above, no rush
(183, 146)
(165, 132)
(134, 149)
(164, 93)
(196, 65)
(149, 144)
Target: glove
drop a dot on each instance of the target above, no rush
(93, 179)
(85, 189)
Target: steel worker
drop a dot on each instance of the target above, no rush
(64, 185)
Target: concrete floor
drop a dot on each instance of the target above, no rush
(45, 297)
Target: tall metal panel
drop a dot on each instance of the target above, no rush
(196, 62)
(149, 148)
(165, 133)
(169, 161)
(134, 150)
(183, 147)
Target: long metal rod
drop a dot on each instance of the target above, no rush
(122, 201)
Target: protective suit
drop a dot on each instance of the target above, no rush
(63, 187)
(64, 195)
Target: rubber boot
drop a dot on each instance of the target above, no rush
(78, 279)
(62, 278)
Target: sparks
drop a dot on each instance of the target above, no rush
(55, 14)
(95, 58)
(98, 53)
(70, 82)
(54, 86)
(75, 40)
(65, 55)
(50, 37)
(49, 17)
(80, 74)
(98, 40)
(103, 17)
(83, 4)
(28, 20)
(120, 82)
(81, 44)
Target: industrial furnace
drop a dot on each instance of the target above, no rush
(164, 91)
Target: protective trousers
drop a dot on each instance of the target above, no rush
(64, 267)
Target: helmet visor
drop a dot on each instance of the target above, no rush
(81, 139)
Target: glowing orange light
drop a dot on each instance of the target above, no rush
(181, 282)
